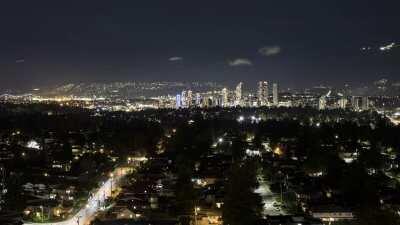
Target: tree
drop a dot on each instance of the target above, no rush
(238, 149)
(241, 205)
(65, 154)
(376, 216)
(186, 196)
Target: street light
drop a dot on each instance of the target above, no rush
(41, 207)
(196, 210)
(77, 221)
(104, 195)
(111, 183)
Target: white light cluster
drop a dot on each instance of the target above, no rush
(33, 144)
(387, 47)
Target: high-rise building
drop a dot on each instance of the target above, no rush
(178, 101)
(189, 99)
(225, 100)
(275, 97)
(219, 101)
(342, 103)
(262, 93)
(355, 102)
(365, 103)
(198, 99)
(238, 94)
(322, 103)
(183, 99)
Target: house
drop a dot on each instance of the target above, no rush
(289, 220)
(125, 213)
(331, 213)
(136, 222)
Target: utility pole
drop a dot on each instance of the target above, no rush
(77, 221)
(41, 207)
(104, 199)
(196, 209)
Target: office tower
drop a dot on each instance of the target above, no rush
(262, 93)
(198, 99)
(275, 94)
(365, 103)
(204, 102)
(189, 99)
(238, 94)
(178, 101)
(219, 101)
(224, 94)
(355, 102)
(322, 103)
(342, 103)
(210, 102)
(183, 99)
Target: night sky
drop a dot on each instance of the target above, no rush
(295, 43)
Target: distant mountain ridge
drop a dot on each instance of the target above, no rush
(128, 89)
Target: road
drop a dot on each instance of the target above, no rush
(394, 121)
(269, 199)
(86, 214)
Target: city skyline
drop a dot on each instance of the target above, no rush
(200, 112)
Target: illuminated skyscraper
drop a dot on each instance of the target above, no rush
(198, 99)
(275, 97)
(322, 103)
(224, 94)
(365, 103)
(183, 99)
(238, 94)
(355, 102)
(189, 99)
(262, 93)
(178, 101)
(342, 103)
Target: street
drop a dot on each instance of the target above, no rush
(86, 214)
(271, 206)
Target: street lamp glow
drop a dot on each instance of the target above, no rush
(220, 140)
(278, 151)
(241, 118)
(95, 202)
